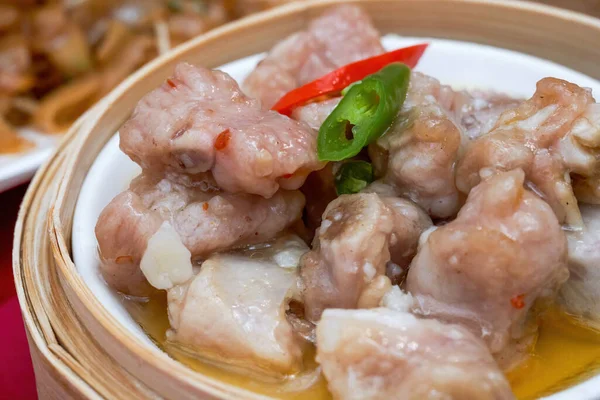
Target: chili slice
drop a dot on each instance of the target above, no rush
(336, 81)
(364, 113)
(353, 176)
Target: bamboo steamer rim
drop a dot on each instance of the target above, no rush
(562, 36)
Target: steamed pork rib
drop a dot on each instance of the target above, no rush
(486, 269)
(360, 235)
(204, 222)
(550, 136)
(474, 111)
(123, 230)
(319, 190)
(199, 121)
(234, 310)
(580, 294)
(342, 35)
(384, 354)
(350, 249)
(419, 151)
(409, 221)
(480, 111)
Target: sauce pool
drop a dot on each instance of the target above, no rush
(152, 316)
(565, 353)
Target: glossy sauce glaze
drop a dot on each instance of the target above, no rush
(566, 352)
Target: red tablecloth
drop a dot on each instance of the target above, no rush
(16, 373)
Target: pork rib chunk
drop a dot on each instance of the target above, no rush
(200, 121)
(350, 249)
(233, 311)
(553, 137)
(359, 236)
(342, 35)
(409, 221)
(486, 269)
(419, 152)
(383, 354)
(204, 222)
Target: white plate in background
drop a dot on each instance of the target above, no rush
(20, 167)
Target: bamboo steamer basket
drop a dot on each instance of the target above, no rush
(78, 348)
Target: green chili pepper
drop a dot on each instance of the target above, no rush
(347, 88)
(353, 176)
(364, 114)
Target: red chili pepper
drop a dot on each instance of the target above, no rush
(336, 81)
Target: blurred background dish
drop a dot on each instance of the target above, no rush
(57, 58)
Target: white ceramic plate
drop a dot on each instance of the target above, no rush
(19, 168)
(460, 64)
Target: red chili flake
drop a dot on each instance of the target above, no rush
(171, 83)
(124, 260)
(287, 176)
(518, 302)
(205, 206)
(222, 140)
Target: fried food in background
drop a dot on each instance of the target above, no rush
(57, 58)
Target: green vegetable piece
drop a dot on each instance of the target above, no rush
(353, 176)
(364, 113)
(347, 88)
